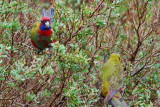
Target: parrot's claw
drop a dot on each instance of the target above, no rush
(39, 51)
(49, 51)
(122, 92)
(50, 46)
(109, 102)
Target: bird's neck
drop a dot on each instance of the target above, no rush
(115, 60)
(44, 31)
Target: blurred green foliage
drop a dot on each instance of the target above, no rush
(87, 33)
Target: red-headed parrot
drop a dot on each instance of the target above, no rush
(41, 34)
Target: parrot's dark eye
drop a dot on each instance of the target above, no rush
(42, 22)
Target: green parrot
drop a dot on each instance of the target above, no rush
(111, 76)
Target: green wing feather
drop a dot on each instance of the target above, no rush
(34, 30)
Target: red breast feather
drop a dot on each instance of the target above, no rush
(46, 33)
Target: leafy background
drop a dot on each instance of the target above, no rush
(87, 31)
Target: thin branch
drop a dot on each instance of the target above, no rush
(91, 15)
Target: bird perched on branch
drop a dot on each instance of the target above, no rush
(41, 34)
(111, 76)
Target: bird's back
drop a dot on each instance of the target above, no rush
(107, 70)
(108, 74)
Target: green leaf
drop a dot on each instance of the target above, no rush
(3, 56)
(46, 93)
(30, 96)
(123, 37)
(2, 78)
(117, 43)
(158, 92)
(11, 84)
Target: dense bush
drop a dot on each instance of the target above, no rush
(87, 33)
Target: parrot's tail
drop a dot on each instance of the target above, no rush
(48, 13)
(118, 102)
(111, 94)
(115, 101)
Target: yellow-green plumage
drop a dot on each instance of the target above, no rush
(34, 30)
(111, 74)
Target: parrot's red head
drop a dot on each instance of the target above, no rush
(44, 19)
(45, 24)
